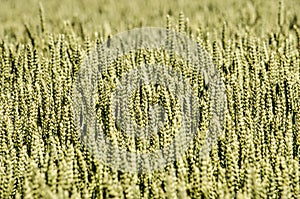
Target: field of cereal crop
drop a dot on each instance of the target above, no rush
(198, 99)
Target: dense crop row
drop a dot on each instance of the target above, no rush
(256, 156)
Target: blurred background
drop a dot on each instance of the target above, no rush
(111, 16)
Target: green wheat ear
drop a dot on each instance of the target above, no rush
(42, 17)
(281, 16)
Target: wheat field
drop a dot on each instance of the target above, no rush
(255, 47)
